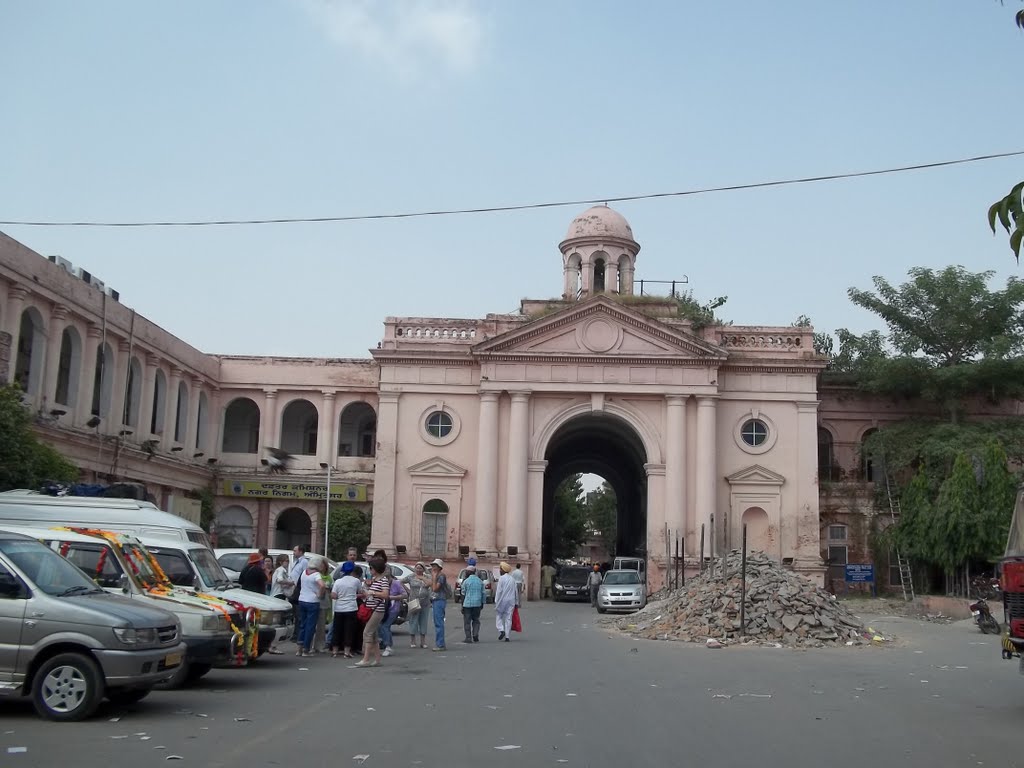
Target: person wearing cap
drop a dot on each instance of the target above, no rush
(345, 593)
(594, 579)
(472, 604)
(438, 601)
(505, 597)
(418, 584)
(253, 578)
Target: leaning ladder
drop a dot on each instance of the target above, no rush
(906, 576)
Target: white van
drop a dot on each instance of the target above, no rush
(139, 518)
(215, 633)
(637, 564)
(193, 567)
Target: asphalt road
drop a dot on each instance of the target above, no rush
(567, 692)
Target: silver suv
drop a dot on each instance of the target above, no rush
(67, 643)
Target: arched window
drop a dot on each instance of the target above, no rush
(293, 529)
(828, 469)
(69, 367)
(31, 351)
(181, 413)
(156, 421)
(241, 426)
(133, 393)
(599, 270)
(759, 535)
(103, 381)
(357, 435)
(234, 527)
(299, 428)
(868, 466)
(204, 413)
(435, 527)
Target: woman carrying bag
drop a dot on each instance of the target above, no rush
(419, 604)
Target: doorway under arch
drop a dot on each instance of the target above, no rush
(604, 445)
(235, 527)
(293, 529)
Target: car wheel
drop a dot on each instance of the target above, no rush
(67, 687)
(601, 610)
(127, 695)
(196, 671)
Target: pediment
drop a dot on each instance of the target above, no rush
(599, 327)
(755, 475)
(436, 466)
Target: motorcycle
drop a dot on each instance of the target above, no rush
(983, 617)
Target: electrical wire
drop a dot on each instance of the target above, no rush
(520, 207)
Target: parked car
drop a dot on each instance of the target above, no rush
(621, 591)
(215, 633)
(193, 567)
(570, 583)
(637, 564)
(485, 577)
(68, 644)
(233, 560)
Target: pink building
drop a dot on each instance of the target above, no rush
(457, 431)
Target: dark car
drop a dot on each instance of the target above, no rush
(571, 583)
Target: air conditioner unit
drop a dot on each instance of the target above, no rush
(63, 263)
(97, 283)
(115, 295)
(84, 274)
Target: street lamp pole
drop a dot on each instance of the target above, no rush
(327, 507)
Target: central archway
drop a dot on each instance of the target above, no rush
(605, 445)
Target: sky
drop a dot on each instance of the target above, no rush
(128, 111)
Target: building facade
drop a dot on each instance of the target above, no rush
(455, 432)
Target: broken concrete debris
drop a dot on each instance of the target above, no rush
(782, 607)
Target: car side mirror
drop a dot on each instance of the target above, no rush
(124, 583)
(197, 583)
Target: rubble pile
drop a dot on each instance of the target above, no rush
(782, 608)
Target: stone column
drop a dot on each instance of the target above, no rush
(485, 514)
(15, 306)
(611, 277)
(586, 277)
(801, 538)
(675, 465)
(171, 409)
(87, 376)
(214, 425)
(568, 285)
(55, 334)
(535, 525)
(192, 427)
(382, 534)
(327, 437)
(655, 522)
(627, 280)
(268, 421)
(707, 455)
(149, 366)
(516, 482)
(117, 390)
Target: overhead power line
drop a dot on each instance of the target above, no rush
(520, 207)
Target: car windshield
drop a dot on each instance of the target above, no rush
(622, 577)
(574, 575)
(209, 569)
(236, 561)
(48, 571)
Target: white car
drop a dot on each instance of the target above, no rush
(621, 591)
(233, 560)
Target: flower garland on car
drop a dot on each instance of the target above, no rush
(248, 643)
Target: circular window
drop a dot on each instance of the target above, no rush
(439, 425)
(754, 432)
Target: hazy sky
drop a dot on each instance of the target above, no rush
(132, 111)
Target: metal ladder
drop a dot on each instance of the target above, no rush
(906, 576)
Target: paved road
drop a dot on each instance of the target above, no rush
(569, 693)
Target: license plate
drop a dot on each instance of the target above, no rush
(570, 591)
(172, 660)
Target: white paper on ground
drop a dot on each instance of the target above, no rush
(509, 746)
(16, 750)
(360, 758)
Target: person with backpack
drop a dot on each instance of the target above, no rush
(440, 594)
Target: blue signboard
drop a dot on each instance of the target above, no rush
(860, 573)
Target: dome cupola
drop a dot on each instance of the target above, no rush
(598, 254)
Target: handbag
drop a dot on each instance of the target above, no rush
(363, 613)
(414, 605)
(517, 624)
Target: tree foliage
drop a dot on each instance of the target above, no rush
(701, 315)
(602, 512)
(26, 461)
(348, 527)
(1009, 210)
(570, 517)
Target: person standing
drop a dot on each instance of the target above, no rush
(418, 584)
(253, 578)
(396, 593)
(346, 604)
(547, 578)
(311, 589)
(320, 638)
(299, 563)
(351, 557)
(517, 574)
(281, 585)
(594, 579)
(505, 602)
(438, 601)
(472, 604)
(376, 599)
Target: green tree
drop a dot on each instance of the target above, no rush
(958, 512)
(570, 517)
(998, 495)
(1009, 210)
(602, 512)
(348, 527)
(26, 461)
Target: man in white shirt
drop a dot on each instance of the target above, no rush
(517, 576)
